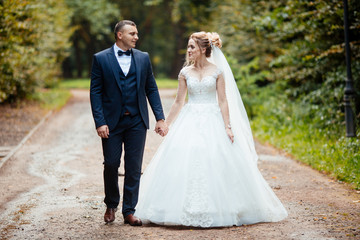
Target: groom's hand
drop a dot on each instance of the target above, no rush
(161, 128)
(103, 131)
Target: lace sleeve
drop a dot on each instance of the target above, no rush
(218, 72)
(183, 72)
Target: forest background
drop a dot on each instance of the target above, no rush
(287, 57)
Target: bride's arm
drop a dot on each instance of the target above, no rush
(179, 100)
(223, 104)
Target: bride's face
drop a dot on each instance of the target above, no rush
(193, 50)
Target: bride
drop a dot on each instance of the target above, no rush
(205, 172)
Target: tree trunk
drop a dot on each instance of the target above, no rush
(78, 60)
(180, 44)
(67, 68)
(91, 50)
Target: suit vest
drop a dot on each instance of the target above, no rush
(129, 90)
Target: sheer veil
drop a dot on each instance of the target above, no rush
(238, 117)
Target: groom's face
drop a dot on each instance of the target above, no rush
(128, 37)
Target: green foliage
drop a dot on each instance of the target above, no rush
(248, 77)
(93, 21)
(164, 28)
(311, 33)
(33, 41)
(288, 125)
(92, 18)
(243, 30)
(79, 83)
(167, 83)
(156, 31)
(288, 59)
(84, 83)
(195, 13)
(51, 99)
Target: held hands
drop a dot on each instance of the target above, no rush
(103, 131)
(161, 128)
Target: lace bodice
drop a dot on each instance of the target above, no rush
(201, 91)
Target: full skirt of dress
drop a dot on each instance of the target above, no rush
(199, 178)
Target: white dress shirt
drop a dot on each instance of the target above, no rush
(124, 60)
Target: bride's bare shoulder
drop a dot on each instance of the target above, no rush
(212, 65)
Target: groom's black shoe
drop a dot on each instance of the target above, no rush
(132, 220)
(109, 215)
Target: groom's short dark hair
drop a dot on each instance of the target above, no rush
(121, 24)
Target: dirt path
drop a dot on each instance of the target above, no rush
(52, 188)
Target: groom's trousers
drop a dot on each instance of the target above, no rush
(130, 132)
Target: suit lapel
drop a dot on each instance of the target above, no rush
(137, 62)
(114, 65)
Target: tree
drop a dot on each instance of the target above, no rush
(296, 44)
(33, 42)
(92, 21)
(179, 18)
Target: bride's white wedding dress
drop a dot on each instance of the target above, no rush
(198, 177)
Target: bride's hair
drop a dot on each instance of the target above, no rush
(205, 40)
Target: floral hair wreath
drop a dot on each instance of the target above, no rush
(214, 38)
(211, 43)
(210, 39)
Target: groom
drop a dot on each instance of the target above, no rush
(121, 81)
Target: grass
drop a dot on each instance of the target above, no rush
(299, 135)
(167, 83)
(339, 158)
(78, 83)
(57, 97)
(84, 83)
(51, 99)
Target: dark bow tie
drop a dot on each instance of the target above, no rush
(127, 53)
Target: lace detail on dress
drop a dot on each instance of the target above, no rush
(201, 90)
(202, 102)
(183, 72)
(196, 207)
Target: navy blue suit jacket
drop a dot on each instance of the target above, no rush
(105, 88)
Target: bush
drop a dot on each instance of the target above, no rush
(33, 43)
(288, 59)
(289, 125)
